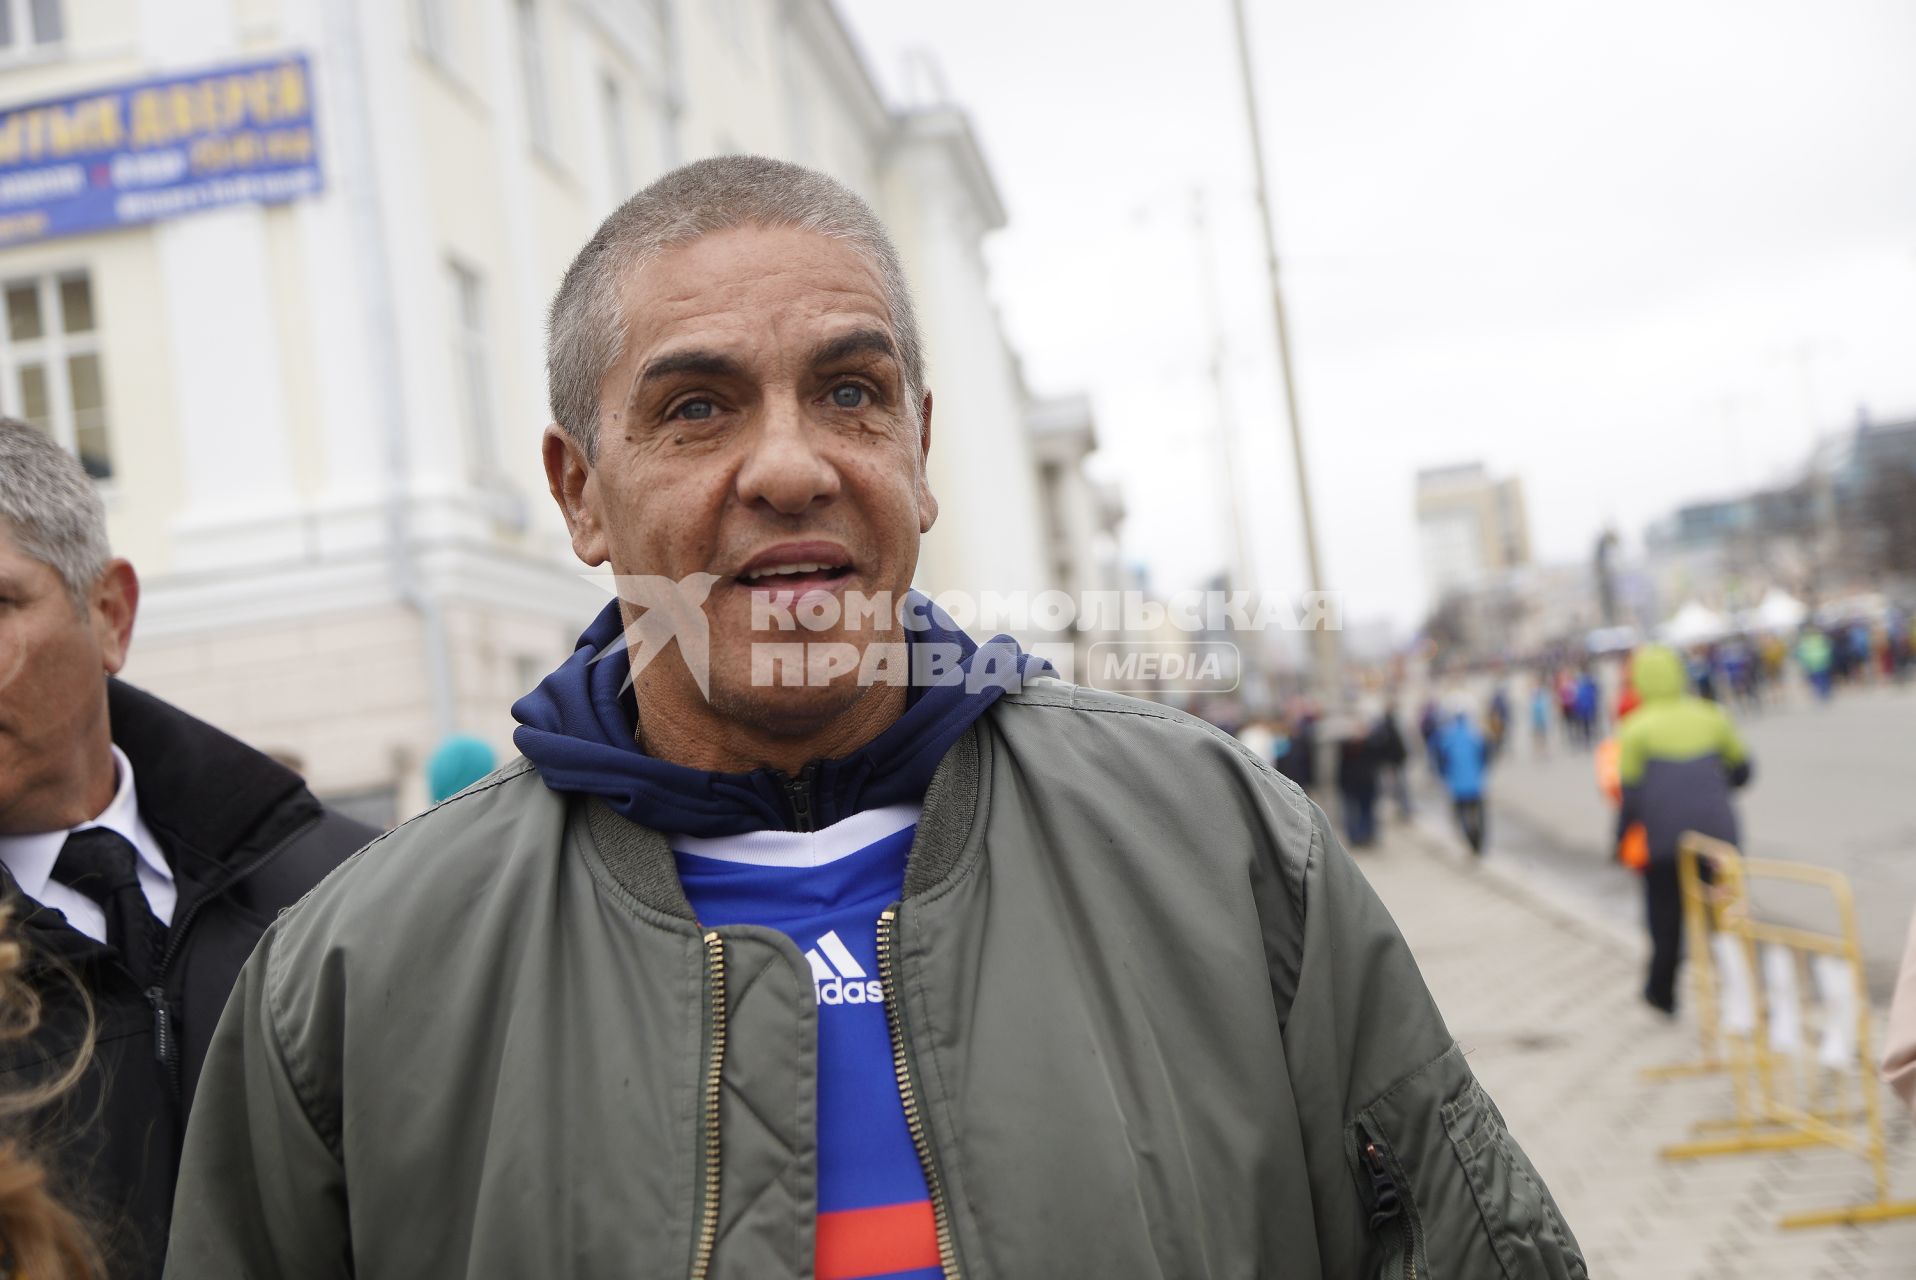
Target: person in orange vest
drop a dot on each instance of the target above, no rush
(1628, 699)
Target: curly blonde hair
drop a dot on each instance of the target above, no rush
(40, 1238)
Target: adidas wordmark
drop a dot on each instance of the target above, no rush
(837, 978)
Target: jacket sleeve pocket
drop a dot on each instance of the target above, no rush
(1525, 1229)
(1478, 1207)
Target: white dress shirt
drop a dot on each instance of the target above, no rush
(31, 859)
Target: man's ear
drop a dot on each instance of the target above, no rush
(114, 601)
(927, 500)
(569, 477)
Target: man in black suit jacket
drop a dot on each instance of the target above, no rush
(142, 853)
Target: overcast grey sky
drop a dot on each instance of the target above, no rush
(1588, 243)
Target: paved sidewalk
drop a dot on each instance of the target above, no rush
(1546, 1004)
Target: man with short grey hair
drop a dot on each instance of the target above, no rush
(142, 853)
(814, 939)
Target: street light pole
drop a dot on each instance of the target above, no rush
(1326, 662)
(1242, 575)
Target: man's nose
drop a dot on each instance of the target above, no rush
(786, 467)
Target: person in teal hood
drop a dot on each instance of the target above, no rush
(456, 764)
(1679, 757)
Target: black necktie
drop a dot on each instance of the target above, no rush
(101, 864)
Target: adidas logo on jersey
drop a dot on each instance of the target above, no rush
(839, 979)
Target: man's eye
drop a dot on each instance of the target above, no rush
(695, 410)
(848, 395)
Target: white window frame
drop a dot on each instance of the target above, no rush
(24, 45)
(613, 104)
(432, 32)
(528, 28)
(472, 370)
(52, 350)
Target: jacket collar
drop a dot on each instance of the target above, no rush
(205, 794)
(638, 863)
(579, 730)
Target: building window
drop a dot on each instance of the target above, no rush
(532, 74)
(50, 362)
(29, 24)
(618, 145)
(471, 367)
(432, 29)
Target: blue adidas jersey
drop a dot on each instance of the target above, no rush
(825, 890)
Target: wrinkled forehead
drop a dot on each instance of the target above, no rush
(746, 282)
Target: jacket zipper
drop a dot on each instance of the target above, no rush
(714, 1067)
(798, 794)
(166, 1044)
(914, 1118)
(1388, 1202)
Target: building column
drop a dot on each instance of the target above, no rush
(222, 335)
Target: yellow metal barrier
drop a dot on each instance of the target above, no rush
(1764, 1119)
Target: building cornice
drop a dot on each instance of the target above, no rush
(210, 602)
(832, 39)
(949, 130)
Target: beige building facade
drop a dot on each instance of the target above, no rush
(315, 422)
(1470, 527)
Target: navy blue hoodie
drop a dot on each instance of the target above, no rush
(578, 728)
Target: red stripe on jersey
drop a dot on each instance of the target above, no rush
(853, 1243)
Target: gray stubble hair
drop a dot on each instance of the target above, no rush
(586, 327)
(48, 505)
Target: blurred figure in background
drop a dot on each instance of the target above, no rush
(1703, 672)
(1259, 739)
(1678, 759)
(1627, 698)
(1740, 674)
(1817, 657)
(1296, 753)
(1584, 707)
(1773, 659)
(1464, 763)
(1358, 765)
(456, 764)
(1497, 723)
(1540, 715)
(1394, 754)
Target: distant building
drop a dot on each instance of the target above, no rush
(1470, 528)
(1081, 513)
(1848, 522)
(277, 271)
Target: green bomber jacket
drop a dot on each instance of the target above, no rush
(1148, 1017)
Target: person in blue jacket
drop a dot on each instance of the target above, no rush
(1464, 759)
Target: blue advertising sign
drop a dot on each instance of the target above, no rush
(157, 149)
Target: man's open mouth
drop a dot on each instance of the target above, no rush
(795, 576)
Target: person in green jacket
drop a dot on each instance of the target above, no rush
(1815, 655)
(933, 965)
(1678, 759)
